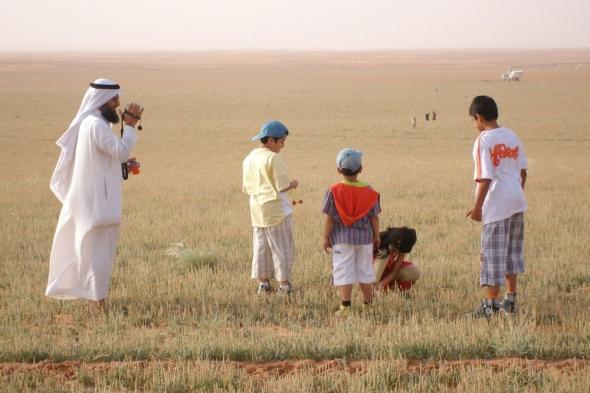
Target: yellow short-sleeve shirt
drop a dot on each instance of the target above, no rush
(264, 177)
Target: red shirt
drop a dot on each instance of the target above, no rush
(402, 285)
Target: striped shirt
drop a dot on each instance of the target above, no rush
(360, 232)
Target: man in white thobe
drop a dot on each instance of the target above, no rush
(87, 181)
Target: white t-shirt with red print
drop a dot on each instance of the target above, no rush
(499, 156)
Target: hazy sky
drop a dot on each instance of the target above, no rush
(58, 25)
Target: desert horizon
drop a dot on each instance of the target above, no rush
(435, 59)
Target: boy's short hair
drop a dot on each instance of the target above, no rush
(485, 107)
(349, 172)
(397, 239)
(266, 138)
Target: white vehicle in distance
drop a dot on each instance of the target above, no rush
(512, 75)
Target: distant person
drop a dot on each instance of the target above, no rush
(500, 176)
(413, 121)
(351, 230)
(266, 181)
(391, 269)
(426, 116)
(87, 181)
(433, 116)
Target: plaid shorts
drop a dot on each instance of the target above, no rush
(502, 250)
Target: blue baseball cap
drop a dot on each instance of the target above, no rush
(273, 129)
(349, 159)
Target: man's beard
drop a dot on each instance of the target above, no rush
(109, 114)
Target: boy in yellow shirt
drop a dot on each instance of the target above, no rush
(266, 181)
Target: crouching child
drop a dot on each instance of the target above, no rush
(392, 270)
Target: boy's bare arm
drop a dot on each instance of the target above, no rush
(327, 231)
(480, 195)
(375, 227)
(522, 178)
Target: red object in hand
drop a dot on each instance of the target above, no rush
(133, 166)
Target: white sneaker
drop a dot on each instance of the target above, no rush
(285, 289)
(263, 289)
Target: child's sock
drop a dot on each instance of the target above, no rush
(509, 304)
(494, 303)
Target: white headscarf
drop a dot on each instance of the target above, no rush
(94, 98)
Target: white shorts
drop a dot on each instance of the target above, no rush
(352, 264)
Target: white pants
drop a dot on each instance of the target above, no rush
(352, 264)
(274, 251)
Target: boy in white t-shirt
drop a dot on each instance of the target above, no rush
(500, 175)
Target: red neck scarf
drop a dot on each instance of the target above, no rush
(353, 202)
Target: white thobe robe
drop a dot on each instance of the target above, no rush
(84, 246)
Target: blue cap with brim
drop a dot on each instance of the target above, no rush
(273, 129)
(349, 159)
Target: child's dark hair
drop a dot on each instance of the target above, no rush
(266, 138)
(397, 239)
(349, 172)
(485, 107)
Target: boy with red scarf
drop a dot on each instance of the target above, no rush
(351, 230)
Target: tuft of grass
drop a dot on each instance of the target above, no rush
(192, 259)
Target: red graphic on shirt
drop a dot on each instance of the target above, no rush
(501, 151)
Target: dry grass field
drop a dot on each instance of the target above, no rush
(194, 322)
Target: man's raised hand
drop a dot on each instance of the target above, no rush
(132, 114)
